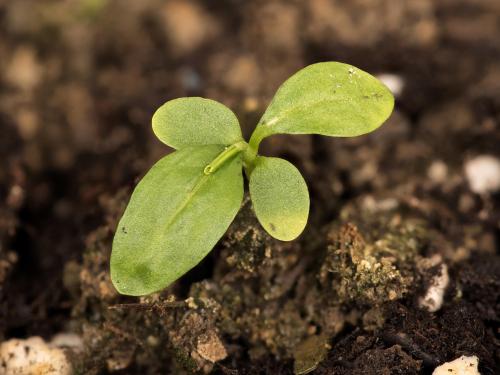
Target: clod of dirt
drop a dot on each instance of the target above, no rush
(187, 26)
(483, 174)
(461, 366)
(211, 348)
(247, 235)
(32, 356)
(197, 343)
(365, 272)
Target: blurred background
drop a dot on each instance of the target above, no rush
(80, 80)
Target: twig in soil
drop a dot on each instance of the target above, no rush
(157, 307)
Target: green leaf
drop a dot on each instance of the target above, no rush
(194, 121)
(329, 98)
(279, 196)
(174, 218)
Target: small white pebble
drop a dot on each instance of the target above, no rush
(32, 356)
(483, 174)
(433, 298)
(67, 340)
(437, 172)
(393, 82)
(461, 366)
(387, 204)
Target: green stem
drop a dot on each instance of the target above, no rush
(257, 136)
(249, 156)
(250, 153)
(224, 156)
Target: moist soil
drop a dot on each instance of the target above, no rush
(391, 212)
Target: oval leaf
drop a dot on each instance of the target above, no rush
(329, 98)
(194, 121)
(174, 218)
(279, 197)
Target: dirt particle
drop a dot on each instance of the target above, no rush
(187, 26)
(24, 70)
(210, 347)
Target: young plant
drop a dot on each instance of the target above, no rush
(185, 203)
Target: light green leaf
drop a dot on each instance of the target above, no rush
(174, 218)
(329, 98)
(280, 198)
(194, 121)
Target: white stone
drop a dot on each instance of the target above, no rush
(394, 82)
(461, 366)
(373, 205)
(67, 340)
(483, 174)
(32, 356)
(433, 298)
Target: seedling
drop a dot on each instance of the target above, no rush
(188, 199)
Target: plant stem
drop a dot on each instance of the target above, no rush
(249, 156)
(250, 153)
(257, 136)
(224, 156)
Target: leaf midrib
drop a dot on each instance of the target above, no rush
(201, 181)
(305, 106)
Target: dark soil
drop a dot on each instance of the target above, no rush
(79, 81)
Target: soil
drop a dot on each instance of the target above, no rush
(391, 212)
